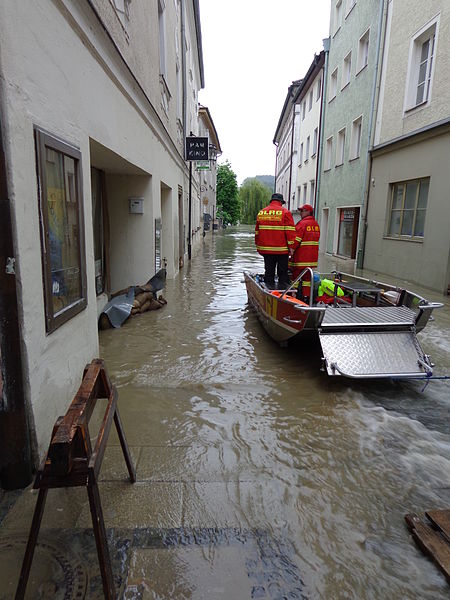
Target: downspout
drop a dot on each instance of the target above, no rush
(373, 109)
(276, 162)
(15, 449)
(326, 48)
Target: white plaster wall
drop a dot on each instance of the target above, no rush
(307, 170)
(76, 89)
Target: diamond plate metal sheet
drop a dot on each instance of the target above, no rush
(360, 316)
(372, 354)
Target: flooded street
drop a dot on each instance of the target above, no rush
(312, 474)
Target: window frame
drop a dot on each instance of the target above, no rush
(340, 147)
(333, 84)
(355, 147)
(43, 140)
(346, 70)
(328, 153)
(363, 51)
(429, 31)
(392, 188)
(355, 230)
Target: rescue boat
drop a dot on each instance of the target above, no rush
(367, 329)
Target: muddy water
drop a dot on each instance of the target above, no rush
(326, 465)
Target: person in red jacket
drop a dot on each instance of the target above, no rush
(274, 236)
(305, 249)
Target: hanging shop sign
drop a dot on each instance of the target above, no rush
(202, 165)
(197, 148)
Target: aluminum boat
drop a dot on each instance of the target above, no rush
(367, 329)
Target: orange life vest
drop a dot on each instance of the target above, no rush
(274, 230)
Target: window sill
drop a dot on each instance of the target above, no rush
(403, 238)
(353, 158)
(331, 99)
(336, 166)
(344, 86)
(361, 70)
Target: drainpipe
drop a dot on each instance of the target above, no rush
(381, 40)
(15, 448)
(183, 66)
(276, 162)
(326, 48)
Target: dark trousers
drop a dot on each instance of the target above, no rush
(278, 262)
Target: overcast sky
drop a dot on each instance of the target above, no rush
(252, 51)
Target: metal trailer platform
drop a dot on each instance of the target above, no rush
(369, 342)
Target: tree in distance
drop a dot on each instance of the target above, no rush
(228, 205)
(253, 196)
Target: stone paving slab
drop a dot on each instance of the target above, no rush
(153, 563)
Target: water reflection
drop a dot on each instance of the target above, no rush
(328, 464)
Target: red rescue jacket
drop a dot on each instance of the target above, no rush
(274, 230)
(306, 244)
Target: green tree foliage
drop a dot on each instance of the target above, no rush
(228, 206)
(253, 196)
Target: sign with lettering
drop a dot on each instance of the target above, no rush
(197, 148)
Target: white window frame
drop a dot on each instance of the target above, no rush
(303, 110)
(363, 51)
(428, 32)
(340, 147)
(319, 88)
(355, 141)
(310, 100)
(349, 7)
(308, 142)
(305, 192)
(338, 15)
(162, 38)
(312, 191)
(347, 70)
(333, 84)
(315, 139)
(328, 153)
(300, 158)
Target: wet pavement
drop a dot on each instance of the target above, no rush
(257, 475)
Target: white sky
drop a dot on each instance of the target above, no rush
(252, 51)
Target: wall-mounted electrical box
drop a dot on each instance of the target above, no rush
(136, 206)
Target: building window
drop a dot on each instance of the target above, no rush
(355, 144)
(312, 193)
(301, 154)
(310, 100)
(347, 71)
(305, 192)
(162, 37)
(328, 153)
(420, 71)
(348, 221)
(408, 206)
(333, 84)
(303, 109)
(122, 10)
(337, 16)
(363, 51)
(319, 89)
(350, 5)
(62, 229)
(340, 150)
(308, 140)
(316, 136)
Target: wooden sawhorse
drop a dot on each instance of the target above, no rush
(71, 462)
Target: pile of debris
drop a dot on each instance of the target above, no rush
(133, 300)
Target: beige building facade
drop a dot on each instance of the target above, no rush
(97, 97)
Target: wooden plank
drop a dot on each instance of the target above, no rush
(431, 542)
(441, 518)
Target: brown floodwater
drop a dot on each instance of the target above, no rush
(328, 467)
